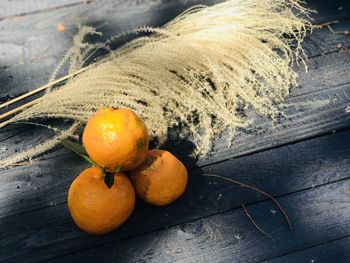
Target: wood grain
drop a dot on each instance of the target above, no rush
(105, 254)
(38, 219)
(29, 7)
(330, 252)
(31, 54)
(230, 236)
(300, 161)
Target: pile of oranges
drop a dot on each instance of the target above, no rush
(102, 197)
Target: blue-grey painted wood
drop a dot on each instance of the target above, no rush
(331, 252)
(319, 215)
(48, 231)
(32, 47)
(13, 9)
(310, 175)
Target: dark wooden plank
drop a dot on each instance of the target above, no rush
(104, 254)
(327, 77)
(331, 252)
(47, 232)
(12, 8)
(330, 10)
(36, 211)
(338, 9)
(307, 115)
(323, 41)
(31, 55)
(319, 214)
(320, 67)
(39, 185)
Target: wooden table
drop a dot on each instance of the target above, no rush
(304, 161)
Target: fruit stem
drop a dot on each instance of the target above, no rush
(109, 176)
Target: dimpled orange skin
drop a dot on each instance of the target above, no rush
(114, 138)
(94, 207)
(161, 178)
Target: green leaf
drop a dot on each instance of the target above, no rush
(109, 179)
(78, 149)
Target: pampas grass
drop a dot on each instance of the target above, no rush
(198, 72)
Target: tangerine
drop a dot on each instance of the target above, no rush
(160, 179)
(116, 139)
(95, 208)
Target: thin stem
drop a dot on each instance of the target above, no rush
(257, 190)
(320, 26)
(254, 223)
(15, 110)
(48, 85)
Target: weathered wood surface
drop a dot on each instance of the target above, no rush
(11, 8)
(308, 115)
(207, 224)
(32, 53)
(330, 252)
(230, 236)
(32, 47)
(303, 170)
(288, 169)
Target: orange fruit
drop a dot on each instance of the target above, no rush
(94, 207)
(160, 179)
(116, 138)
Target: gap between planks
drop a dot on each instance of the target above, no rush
(302, 249)
(45, 10)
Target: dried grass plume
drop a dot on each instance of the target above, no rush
(198, 72)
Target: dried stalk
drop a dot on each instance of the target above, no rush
(255, 224)
(257, 190)
(198, 72)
